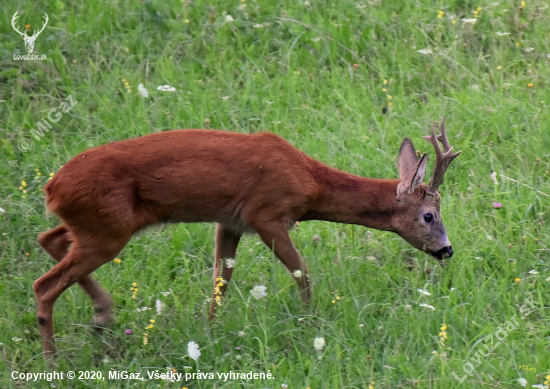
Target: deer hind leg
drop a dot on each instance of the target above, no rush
(56, 243)
(275, 236)
(84, 256)
(226, 248)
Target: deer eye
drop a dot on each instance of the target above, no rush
(428, 217)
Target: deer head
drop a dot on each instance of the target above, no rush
(419, 219)
(29, 40)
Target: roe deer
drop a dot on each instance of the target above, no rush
(245, 183)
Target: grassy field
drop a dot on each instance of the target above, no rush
(345, 82)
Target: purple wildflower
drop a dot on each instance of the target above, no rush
(497, 205)
(128, 332)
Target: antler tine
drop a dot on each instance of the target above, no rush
(442, 158)
(443, 137)
(43, 26)
(13, 20)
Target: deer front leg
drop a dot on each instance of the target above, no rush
(276, 237)
(226, 248)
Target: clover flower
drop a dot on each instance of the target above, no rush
(318, 343)
(259, 292)
(142, 91)
(193, 350)
(166, 88)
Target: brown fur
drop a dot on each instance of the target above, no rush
(257, 183)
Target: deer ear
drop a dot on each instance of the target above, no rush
(407, 158)
(413, 178)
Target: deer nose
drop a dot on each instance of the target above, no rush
(447, 251)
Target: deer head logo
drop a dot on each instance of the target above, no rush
(29, 40)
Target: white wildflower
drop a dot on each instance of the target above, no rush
(500, 33)
(522, 381)
(159, 305)
(427, 306)
(165, 293)
(371, 258)
(16, 339)
(425, 51)
(424, 292)
(229, 19)
(241, 334)
(276, 121)
(225, 97)
(529, 49)
(533, 272)
(258, 25)
(284, 386)
(469, 21)
(548, 279)
(259, 291)
(270, 102)
(318, 343)
(166, 88)
(539, 386)
(143, 309)
(2, 210)
(453, 289)
(229, 263)
(297, 274)
(142, 91)
(494, 177)
(193, 350)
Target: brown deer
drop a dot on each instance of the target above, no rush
(245, 183)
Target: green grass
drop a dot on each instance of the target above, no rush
(321, 88)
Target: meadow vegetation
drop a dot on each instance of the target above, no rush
(344, 81)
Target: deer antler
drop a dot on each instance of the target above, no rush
(43, 26)
(15, 16)
(442, 158)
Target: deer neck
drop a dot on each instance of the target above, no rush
(347, 198)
